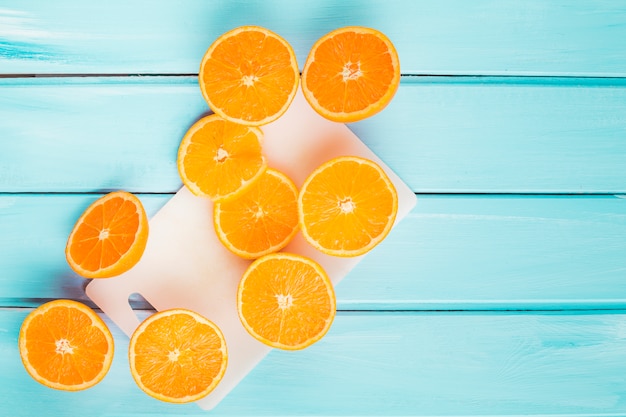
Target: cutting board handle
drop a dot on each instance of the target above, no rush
(114, 305)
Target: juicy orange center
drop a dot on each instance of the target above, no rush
(351, 71)
(63, 346)
(173, 355)
(284, 301)
(221, 154)
(346, 205)
(249, 80)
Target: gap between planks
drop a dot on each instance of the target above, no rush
(406, 78)
(581, 194)
(584, 308)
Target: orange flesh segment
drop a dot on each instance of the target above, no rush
(219, 158)
(261, 220)
(347, 206)
(249, 75)
(355, 67)
(65, 345)
(194, 346)
(351, 73)
(285, 302)
(177, 356)
(118, 220)
(84, 364)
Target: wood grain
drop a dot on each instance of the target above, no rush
(384, 364)
(441, 135)
(451, 252)
(503, 291)
(535, 37)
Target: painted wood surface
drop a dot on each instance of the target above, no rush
(502, 293)
(451, 252)
(535, 37)
(458, 134)
(387, 364)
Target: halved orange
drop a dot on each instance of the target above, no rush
(110, 236)
(65, 345)
(249, 75)
(286, 301)
(347, 206)
(218, 158)
(177, 356)
(351, 73)
(261, 220)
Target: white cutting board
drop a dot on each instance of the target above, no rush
(184, 264)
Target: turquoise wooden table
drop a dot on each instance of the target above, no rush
(503, 292)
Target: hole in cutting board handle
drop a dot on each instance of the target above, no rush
(114, 303)
(140, 307)
(139, 302)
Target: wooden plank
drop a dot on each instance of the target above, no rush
(384, 365)
(33, 251)
(533, 37)
(90, 134)
(457, 134)
(494, 135)
(451, 252)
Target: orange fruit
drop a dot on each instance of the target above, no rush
(109, 238)
(177, 356)
(261, 220)
(218, 158)
(65, 345)
(286, 301)
(351, 73)
(249, 75)
(347, 206)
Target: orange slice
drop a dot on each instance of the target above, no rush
(261, 220)
(177, 356)
(351, 73)
(109, 238)
(286, 301)
(219, 159)
(347, 206)
(249, 75)
(65, 345)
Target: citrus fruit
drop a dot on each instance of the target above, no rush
(347, 206)
(218, 158)
(109, 238)
(177, 356)
(249, 75)
(286, 301)
(261, 220)
(65, 345)
(351, 73)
